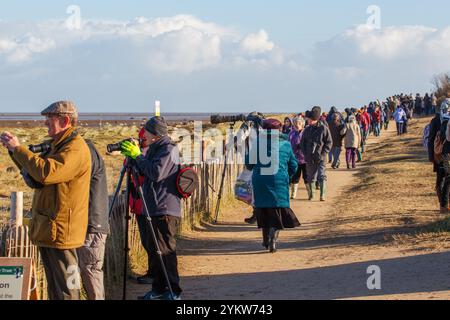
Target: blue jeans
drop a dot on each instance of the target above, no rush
(377, 129)
(336, 153)
(400, 128)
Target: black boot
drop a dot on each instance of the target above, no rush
(266, 237)
(273, 238)
(251, 220)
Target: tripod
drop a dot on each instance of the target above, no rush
(222, 182)
(129, 169)
(252, 123)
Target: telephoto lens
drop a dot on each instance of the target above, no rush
(39, 148)
(114, 147)
(218, 119)
(117, 147)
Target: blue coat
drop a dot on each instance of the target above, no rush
(160, 169)
(272, 190)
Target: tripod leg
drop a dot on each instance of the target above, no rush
(221, 190)
(126, 241)
(116, 193)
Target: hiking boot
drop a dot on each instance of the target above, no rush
(251, 220)
(310, 189)
(273, 237)
(317, 185)
(322, 190)
(145, 279)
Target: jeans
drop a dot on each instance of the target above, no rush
(377, 129)
(336, 153)
(400, 128)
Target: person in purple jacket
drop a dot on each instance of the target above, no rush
(295, 137)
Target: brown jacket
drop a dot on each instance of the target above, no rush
(60, 208)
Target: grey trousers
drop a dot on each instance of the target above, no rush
(90, 259)
(316, 172)
(62, 273)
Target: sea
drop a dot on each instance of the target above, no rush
(172, 117)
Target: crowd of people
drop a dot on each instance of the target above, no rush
(316, 138)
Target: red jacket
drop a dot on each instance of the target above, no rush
(365, 121)
(377, 116)
(136, 204)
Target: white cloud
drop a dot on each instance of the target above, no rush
(21, 50)
(257, 43)
(182, 43)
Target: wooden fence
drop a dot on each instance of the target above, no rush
(14, 241)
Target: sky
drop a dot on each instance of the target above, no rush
(211, 56)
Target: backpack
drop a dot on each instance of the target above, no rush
(438, 146)
(426, 136)
(187, 181)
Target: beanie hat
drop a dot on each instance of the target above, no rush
(272, 124)
(157, 126)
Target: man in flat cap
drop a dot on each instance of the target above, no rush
(160, 167)
(315, 145)
(61, 198)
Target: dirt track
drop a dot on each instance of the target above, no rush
(316, 261)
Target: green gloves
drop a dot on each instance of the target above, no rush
(130, 150)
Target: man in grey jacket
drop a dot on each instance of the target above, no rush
(91, 255)
(315, 145)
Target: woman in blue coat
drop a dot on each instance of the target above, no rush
(271, 180)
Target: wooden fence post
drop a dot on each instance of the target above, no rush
(17, 208)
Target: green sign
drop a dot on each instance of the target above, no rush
(11, 282)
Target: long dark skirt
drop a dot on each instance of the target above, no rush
(279, 218)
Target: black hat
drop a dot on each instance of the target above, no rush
(157, 126)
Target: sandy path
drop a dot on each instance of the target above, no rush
(314, 261)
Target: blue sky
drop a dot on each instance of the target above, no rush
(289, 22)
(269, 55)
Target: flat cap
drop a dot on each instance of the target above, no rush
(61, 108)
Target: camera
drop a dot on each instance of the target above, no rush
(116, 147)
(40, 148)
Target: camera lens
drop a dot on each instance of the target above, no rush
(113, 147)
(40, 148)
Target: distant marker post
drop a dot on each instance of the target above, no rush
(157, 108)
